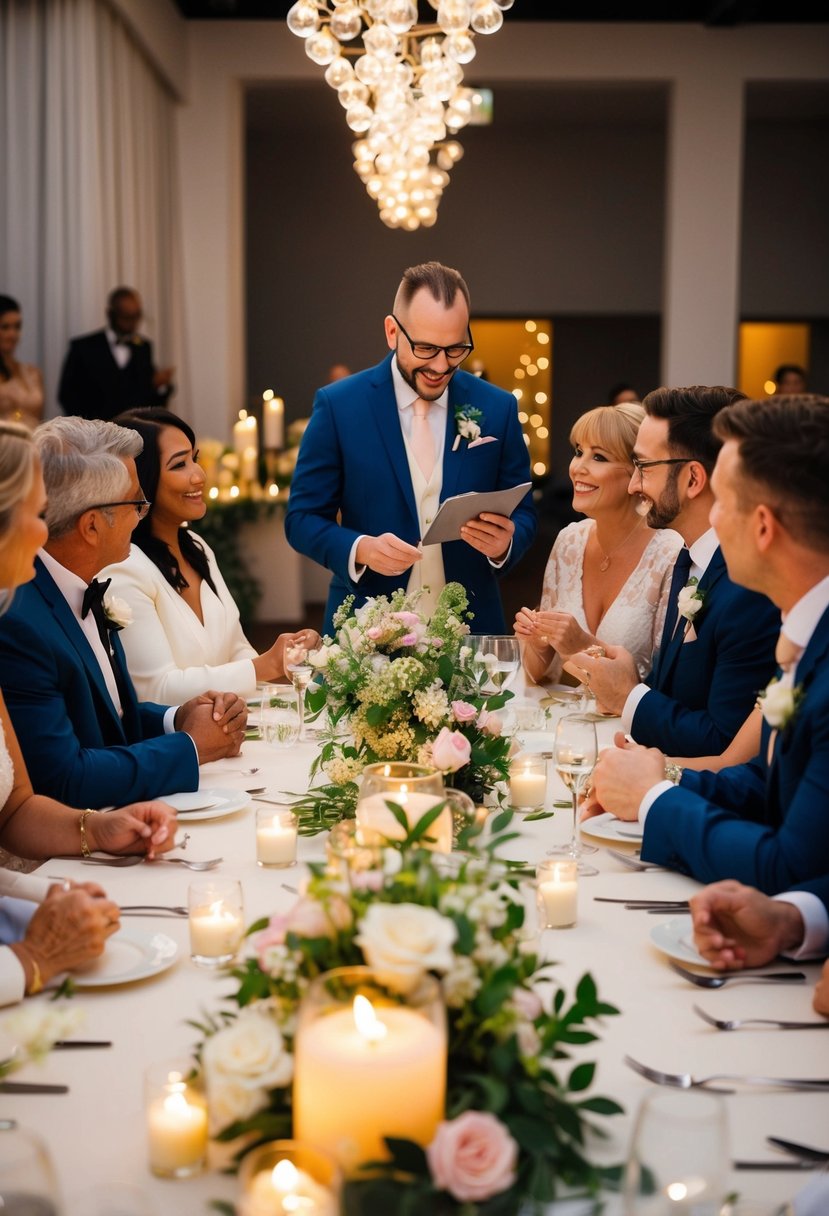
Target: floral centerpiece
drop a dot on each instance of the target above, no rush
(404, 688)
(517, 1117)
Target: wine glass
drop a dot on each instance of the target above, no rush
(27, 1178)
(679, 1157)
(496, 660)
(574, 753)
(300, 671)
(280, 714)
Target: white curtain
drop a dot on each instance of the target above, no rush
(88, 196)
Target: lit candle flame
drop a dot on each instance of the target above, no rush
(285, 1175)
(367, 1022)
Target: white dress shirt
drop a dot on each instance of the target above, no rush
(121, 351)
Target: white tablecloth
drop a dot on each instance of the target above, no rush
(96, 1132)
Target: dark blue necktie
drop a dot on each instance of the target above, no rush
(682, 568)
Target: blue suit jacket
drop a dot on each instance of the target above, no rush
(353, 461)
(703, 690)
(765, 826)
(76, 747)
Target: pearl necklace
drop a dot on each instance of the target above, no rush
(605, 562)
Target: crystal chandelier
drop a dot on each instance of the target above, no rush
(401, 87)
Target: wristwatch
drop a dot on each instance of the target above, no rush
(673, 772)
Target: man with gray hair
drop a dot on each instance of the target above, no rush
(85, 737)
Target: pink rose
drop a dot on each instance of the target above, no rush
(274, 935)
(490, 723)
(473, 1157)
(450, 750)
(374, 633)
(463, 711)
(408, 639)
(409, 619)
(527, 1004)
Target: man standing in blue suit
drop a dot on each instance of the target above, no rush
(717, 646)
(763, 823)
(84, 736)
(385, 447)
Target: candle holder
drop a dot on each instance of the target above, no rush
(528, 782)
(354, 855)
(276, 838)
(360, 1045)
(291, 1177)
(176, 1119)
(557, 889)
(416, 788)
(217, 921)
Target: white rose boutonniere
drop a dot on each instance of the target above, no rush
(778, 702)
(119, 613)
(690, 599)
(467, 424)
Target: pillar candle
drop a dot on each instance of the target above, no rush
(351, 1090)
(273, 421)
(248, 470)
(372, 812)
(245, 433)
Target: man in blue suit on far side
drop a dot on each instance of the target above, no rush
(385, 447)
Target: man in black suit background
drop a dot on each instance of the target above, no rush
(112, 369)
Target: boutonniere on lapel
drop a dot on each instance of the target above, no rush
(690, 600)
(779, 702)
(118, 612)
(467, 425)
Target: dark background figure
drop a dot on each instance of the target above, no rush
(790, 378)
(112, 370)
(622, 391)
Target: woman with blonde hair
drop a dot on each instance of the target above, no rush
(608, 576)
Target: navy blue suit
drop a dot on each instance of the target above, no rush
(703, 690)
(76, 747)
(765, 826)
(352, 461)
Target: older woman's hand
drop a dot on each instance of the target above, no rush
(68, 930)
(143, 827)
(821, 998)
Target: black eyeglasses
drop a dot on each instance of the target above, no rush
(427, 350)
(141, 506)
(641, 465)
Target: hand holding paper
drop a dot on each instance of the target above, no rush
(455, 512)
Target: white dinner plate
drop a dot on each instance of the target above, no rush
(608, 827)
(129, 955)
(207, 803)
(675, 937)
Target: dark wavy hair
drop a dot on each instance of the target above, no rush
(7, 304)
(149, 421)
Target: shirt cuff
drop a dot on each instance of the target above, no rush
(355, 572)
(12, 977)
(169, 719)
(497, 565)
(631, 705)
(815, 941)
(650, 798)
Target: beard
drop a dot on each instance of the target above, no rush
(430, 394)
(663, 512)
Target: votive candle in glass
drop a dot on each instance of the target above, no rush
(276, 838)
(287, 1176)
(217, 922)
(176, 1120)
(528, 782)
(557, 890)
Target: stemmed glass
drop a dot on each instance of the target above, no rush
(574, 753)
(496, 660)
(300, 672)
(27, 1176)
(679, 1157)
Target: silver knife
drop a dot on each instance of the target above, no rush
(795, 1164)
(814, 1155)
(28, 1087)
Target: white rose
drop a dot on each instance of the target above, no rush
(229, 1101)
(689, 600)
(777, 703)
(250, 1052)
(402, 941)
(118, 611)
(469, 429)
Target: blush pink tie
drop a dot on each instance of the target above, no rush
(787, 652)
(422, 440)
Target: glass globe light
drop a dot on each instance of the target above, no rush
(338, 72)
(380, 40)
(431, 53)
(459, 47)
(453, 15)
(321, 47)
(487, 17)
(358, 116)
(504, 5)
(303, 18)
(351, 92)
(374, 185)
(369, 69)
(346, 22)
(362, 150)
(401, 15)
(375, 8)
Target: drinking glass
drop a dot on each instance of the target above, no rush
(679, 1157)
(496, 660)
(28, 1186)
(574, 753)
(280, 715)
(300, 672)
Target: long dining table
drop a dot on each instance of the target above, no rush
(96, 1132)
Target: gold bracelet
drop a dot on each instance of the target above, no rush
(36, 983)
(85, 850)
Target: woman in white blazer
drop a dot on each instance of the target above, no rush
(184, 635)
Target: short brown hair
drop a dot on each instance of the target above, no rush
(442, 282)
(690, 413)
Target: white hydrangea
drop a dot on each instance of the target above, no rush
(431, 705)
(462, 983)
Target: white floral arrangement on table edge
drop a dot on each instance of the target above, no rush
(34, 1030)
(779, 702)
(406, 688)
(118, 612)
(467, 424)
(690, 599)
(516, 1129)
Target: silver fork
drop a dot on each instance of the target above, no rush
(191, 865)
(684, 1080)
(740, 977)
(153, 910)
(632, 861)
(736, 1023)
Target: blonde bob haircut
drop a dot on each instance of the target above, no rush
(18, 456)
(613, 428)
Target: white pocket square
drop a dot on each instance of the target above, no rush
(476, 443)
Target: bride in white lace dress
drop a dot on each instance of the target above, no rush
(609, 575)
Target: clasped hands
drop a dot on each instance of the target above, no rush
(216, 723)
(389, 555)
(542, 630)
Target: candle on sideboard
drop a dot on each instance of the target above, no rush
(273, 420)
(372, 812)
(276, 837)
(249, 464)
(356, 1083)
(176, 1123)
(527, 782)
(245, 433)
(558, 893)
